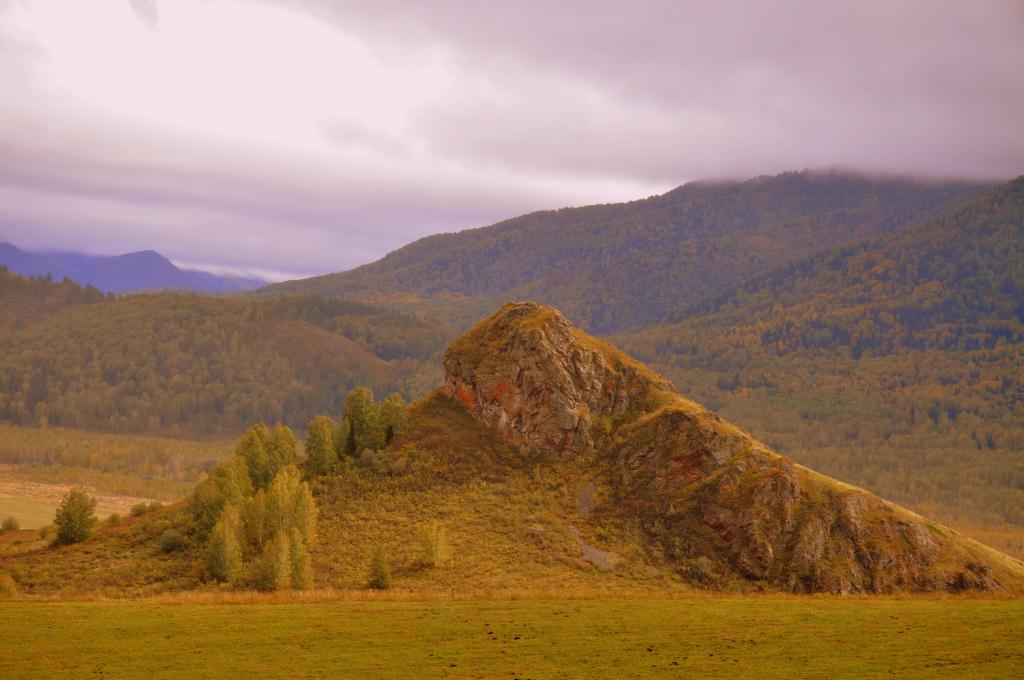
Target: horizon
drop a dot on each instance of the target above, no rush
(271, 277)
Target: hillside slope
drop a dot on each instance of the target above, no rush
(617, 266)
(184, 362)
(893, 363)
(143, 270)
(25, 301)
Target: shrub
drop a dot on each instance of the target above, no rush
(44, 532)
(8, 588)
(9, 524)
(380, 572)
(75, 518)
(154, 506)
(113, 519)
(171, 541)
(140, 509)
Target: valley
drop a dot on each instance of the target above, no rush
(511, 340)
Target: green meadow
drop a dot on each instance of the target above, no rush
(741, 636)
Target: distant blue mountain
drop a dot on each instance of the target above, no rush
(144, 270)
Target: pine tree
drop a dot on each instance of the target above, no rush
(361, 414)
(393, 417)
(321, 443)
(75, 517)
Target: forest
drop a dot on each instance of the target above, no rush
(185, 363)
(618, 266)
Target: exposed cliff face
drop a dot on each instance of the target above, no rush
(703, 489)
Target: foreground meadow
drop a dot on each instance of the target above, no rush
(752, 636)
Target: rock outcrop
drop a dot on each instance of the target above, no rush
(711, 497)
(528, 373)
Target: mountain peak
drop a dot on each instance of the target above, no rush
(702, 488)
(529, 373)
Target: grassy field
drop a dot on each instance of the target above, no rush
(34, 504)
(751, 636)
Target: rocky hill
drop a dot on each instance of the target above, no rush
(557, 463)
(709, 495)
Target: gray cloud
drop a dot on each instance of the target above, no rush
(518, 106)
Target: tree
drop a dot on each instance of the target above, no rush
(393, 416)
(434, 545)
(290, 505)
(321, 445)
(380, 572)
(256, 521)
(302, 568)
(281, 450)
(75, 518)
(252, 448)
(304, 513)
(223, 552)
(274, 569)
(228, 484)
(361, 414)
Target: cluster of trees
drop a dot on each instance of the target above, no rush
(257, 517)
(188, 363)
(617, 266)
(366, 425)
(126, 464)
(385, 333)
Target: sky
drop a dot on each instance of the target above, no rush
(296, 137)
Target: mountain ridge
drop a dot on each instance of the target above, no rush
(143, 270)
(610, 267)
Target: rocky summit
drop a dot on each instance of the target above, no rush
(710, 499)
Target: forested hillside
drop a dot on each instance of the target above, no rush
(188, 363)
(27, 300)
(894, 364)
(618, 266)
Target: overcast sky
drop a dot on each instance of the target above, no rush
(307, 136)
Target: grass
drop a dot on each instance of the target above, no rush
(31, 514)
(754, 636)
